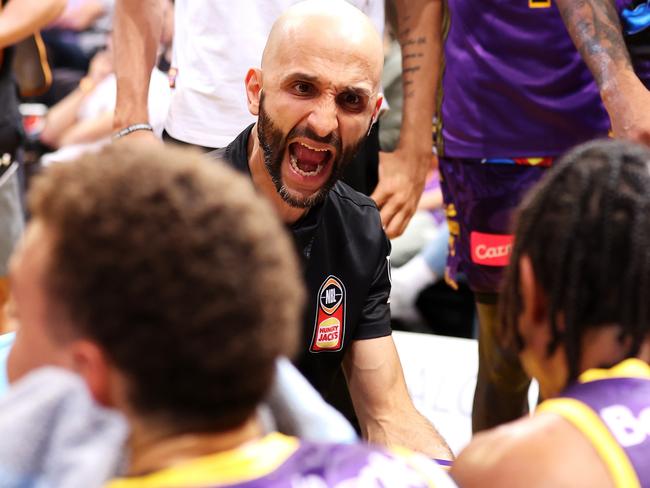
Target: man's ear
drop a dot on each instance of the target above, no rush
(375, 112)
(253, 90)
(91, 363)
(533, 297)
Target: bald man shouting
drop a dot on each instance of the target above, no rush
(315, 97)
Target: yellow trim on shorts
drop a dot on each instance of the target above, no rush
(239, 465)
(587, 422)
(630, 368)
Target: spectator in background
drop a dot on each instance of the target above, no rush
(84, 119)
(81, 31)
(70, 42)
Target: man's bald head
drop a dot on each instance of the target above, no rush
(334, 25)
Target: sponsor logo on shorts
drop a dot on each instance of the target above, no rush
(491, 249)
(330, 316)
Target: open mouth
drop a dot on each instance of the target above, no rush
(307, 160)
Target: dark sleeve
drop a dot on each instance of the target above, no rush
(375, 318)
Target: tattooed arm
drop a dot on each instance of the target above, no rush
(595, 29)
(402, 173)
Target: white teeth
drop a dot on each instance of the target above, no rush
(312, 148)
(294, 165)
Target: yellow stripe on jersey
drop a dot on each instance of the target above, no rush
(630, 368)
(587, 422)
(235, 466)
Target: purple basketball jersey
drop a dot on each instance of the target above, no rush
(280, 461)
(623, 406)
(514, 84)
(337, 465)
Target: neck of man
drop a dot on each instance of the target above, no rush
(263, 182)
(153, 448)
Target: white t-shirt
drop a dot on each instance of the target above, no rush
(215, 43)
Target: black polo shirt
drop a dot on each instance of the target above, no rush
(345, 263)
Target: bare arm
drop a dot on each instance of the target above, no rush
(137, 27)
(81, 17)
(402, 173)
(596, 31)
(381, 401)
(21, 18)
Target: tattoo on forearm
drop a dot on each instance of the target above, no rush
(595, 28)
(413, 50)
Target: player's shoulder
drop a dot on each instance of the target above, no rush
(542, 450)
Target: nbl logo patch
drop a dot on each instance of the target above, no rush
(330, 316)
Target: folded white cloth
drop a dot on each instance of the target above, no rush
(53, 435)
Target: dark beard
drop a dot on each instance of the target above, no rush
(274, 145)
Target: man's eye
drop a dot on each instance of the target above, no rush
(351, 101)
(303, 88)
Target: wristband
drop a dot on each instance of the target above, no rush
(132, 128)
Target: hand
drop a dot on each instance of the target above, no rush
(401, 182)
(628, 111)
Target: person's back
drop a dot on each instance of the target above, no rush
(611, 408)
(596, 427)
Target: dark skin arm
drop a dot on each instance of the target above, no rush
(596, 31)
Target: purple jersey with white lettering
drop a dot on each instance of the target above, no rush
(514, 84)
(612, 408)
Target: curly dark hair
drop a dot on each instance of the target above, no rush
(586, 230)
(179, 271)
